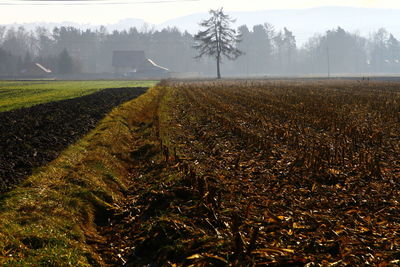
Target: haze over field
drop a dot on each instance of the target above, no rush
(154, 12)
(286, 38)
(301, 21)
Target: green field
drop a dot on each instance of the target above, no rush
(20, 94)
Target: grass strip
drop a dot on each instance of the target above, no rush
(22, 94)
(51, 218)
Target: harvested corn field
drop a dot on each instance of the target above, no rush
(265, 173)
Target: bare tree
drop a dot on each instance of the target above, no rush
(2, 32)
(218, 39)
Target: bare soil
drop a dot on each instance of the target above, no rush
(32, 137)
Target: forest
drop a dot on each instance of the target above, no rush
(267, 51)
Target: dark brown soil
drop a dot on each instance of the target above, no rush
(32, 137)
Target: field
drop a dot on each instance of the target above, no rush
(31, 137)
(267, 173)
(221, 173)
(22, 94)
(50, 219)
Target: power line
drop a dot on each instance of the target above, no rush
(86, 2)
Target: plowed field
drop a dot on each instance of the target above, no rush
(32, 137)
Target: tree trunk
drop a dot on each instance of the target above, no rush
(218, 68)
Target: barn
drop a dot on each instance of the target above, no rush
(135, 64)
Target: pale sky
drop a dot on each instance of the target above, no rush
(111, 11)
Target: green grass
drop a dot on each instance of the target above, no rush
(20, 94)
(50, 219)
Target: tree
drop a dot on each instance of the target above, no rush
(257, 47)
(16, 41)
(379, 49)
(337, 51)
(8, 63)
(242, 65)
(44, 42)
(262, 49)
(65, 63)
(393, 47)
(218, 39)
(2, 32)
(289, 42)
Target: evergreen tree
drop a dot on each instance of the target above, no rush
(64, 62)
(393, 47)
(218, 39)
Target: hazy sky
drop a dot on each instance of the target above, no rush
(152, 11)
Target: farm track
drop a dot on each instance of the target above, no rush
(32, 137)
(267, 173)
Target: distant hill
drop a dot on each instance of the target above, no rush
(121, 25)
(303, 22)
(307, 22)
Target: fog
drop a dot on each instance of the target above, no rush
(268, 51)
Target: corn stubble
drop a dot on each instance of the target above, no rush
(270, 173)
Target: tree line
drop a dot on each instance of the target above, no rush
(266, 51)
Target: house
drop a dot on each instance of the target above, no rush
(134, 64)
(35, 70)
(124, 61)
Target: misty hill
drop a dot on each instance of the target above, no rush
(304, 23)
(121, 25)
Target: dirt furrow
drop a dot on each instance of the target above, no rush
(32, 137)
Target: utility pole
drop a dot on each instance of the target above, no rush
(247, 60)
(328, 61)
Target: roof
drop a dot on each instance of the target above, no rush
(155, 65)
(150, 65)
(34, 69)
(42, 68)
(128, 59)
